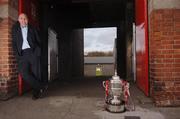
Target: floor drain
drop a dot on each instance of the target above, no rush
(132, 117)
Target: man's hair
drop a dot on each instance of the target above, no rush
(23, 14)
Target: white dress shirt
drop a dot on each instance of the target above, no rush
(25, 44)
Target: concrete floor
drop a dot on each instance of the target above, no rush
(80, 100)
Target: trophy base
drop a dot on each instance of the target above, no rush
(115, 108)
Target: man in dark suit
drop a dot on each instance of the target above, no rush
(26, 45)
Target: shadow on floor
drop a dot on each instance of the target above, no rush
(80, 99)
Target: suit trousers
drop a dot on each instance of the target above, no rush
(29, 68)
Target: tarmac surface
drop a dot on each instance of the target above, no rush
(81, 100)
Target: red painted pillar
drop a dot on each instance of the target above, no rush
(20, 9)
(142, 51)
(29, 7)
(20, 82)
(20, 85)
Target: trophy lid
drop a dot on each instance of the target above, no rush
(115, 77)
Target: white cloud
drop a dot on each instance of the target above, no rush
(99, 39)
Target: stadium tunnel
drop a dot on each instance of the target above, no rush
(61, 24)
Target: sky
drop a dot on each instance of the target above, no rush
(99, 39)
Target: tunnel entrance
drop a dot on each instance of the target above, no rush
(99, 51)
(73, 17)
(67, 19)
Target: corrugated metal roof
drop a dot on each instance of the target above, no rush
(98, 60)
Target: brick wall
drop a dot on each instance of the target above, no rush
(164, 46)
(8, 66)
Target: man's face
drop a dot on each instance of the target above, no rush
(23, 20)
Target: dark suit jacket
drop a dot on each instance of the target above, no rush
(32, 37)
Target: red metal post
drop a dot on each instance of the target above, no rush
(20, 80)
(142, 52)
(20, 85)
(146, 47)
(20, 9)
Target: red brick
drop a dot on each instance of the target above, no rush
(177, 51)
(177, 33)
(167, 79)
(168, 60)
(167, 46)
(177, 42)
(159, 56)
(167, 65)
(168, 51)
(168, 56)
(176, 46)
(167, 42)
(176, 65)
(157, 34)
(167, 33)
(177, 88)
(176, 14)
(159, 65)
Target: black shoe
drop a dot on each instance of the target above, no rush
(43, 91)
(36, 95)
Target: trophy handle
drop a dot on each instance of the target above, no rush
(104, 84)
